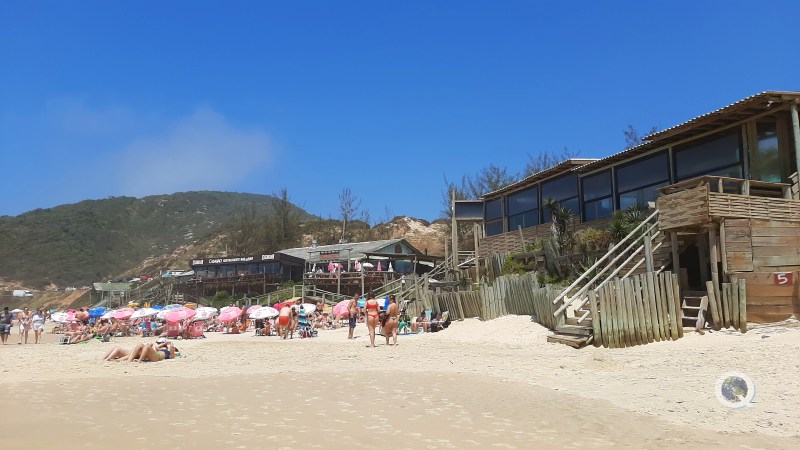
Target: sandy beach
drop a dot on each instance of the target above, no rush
(476, 384)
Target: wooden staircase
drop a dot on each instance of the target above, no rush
(573, 333)
(694, 306)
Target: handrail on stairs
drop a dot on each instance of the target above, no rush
(563, 296)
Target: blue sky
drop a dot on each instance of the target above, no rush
(103, 99)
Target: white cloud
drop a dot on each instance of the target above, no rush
(199, 152)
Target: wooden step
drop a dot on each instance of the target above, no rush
(574, 321)
(575, 330)
(572, 341)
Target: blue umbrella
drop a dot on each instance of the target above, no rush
(97, 312)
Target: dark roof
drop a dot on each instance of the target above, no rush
(357, 250)
(559, 169)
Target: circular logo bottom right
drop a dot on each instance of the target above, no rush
(735, 390)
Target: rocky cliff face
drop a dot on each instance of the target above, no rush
(423, 235)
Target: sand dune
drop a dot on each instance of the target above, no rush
(476, 384)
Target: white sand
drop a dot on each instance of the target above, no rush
(475, 384)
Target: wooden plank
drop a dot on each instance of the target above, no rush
(771, 261)
(713, 305)
(756, 300)
(775, 241)
(633, 315)
(723, 246)
(735, 303)
(773, 290)
(661, 294)
(775, 231)
(791, 252)
(726, 305)
(613, 321)
(644, 311)
(673, 315)
(622, 314)
(742, 287)
(651, 299)
(677, 299)
(718, 297)
(596, 332)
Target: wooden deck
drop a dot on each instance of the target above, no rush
(704, 201)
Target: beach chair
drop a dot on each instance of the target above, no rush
(174, 330)
(197, 329)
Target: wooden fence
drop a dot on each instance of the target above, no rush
(509, 294)
(728, 305)
(637, 310)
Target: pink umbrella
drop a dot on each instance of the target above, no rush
(340, 310)
(379, 267)
(331, 267)
(178, 314)
(122, 314)
(252, 309)
(358, 266)
(230, 314)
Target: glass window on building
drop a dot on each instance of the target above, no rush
(720, 155)
(765, 160)
(597, 196)
(638, 182)
(493, 217)
(523, 209)
(563, 190)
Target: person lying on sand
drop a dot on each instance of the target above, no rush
(159, 351)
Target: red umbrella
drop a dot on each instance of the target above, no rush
(122, 314)
(178, 314)
(230, 314)
(278, 306)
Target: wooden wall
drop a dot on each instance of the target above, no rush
(755, 250)
(511, 241)
(683, 209)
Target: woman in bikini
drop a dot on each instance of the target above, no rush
(159, 351)
(392, 320)
(372, 316)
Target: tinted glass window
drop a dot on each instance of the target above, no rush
(525, 220)
(493, 210)
(493, 228)
(522, 201)
(571, 203)
(765, 161)
(597, 186)
(646, 171)
(561, 188)
(642, 198)
(703, 158)
(597, 209)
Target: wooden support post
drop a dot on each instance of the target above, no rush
(723, 252)
(796, 134)
(596, 331)
(713, 305)
(673, 315)
(713, 254)
(678, 301)
(648, 252)
(475, 231)
(726, 305)
(676, 259)
(742, 306)
(454, 227)
(702, 253)
(734, 303)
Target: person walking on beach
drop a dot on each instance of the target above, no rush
(392, 321)
(372, 316)
(5, 325)
(38, 326)
(284, 317)
(352, 310)
(24, 324)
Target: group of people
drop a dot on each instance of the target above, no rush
(158, 351)
(26, 321)
(389, 319)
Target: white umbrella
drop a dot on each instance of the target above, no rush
(162, 315)
(266, 312)
(60, 317)
(368, 265)
(309, 308)
(390, 268)
(205, 313)
(15, 311)
(108, 314)
(144, 312)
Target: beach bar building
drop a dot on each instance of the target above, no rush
(721, 190)
(251, 274)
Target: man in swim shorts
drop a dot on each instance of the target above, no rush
(352, 310)
(5, 325)
(284, 319)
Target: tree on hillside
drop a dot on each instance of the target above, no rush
(284, 224)
(633, 137)
(348, 206)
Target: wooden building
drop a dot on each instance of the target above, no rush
(725, 185)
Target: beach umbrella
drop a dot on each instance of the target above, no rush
(162, 314)
(107, 314)
(60, 317)
(157, 307)
(358, 266)
(368, 265)
(280, 305)
(266, 312)
(97, 312)
(331, 267)
(252, 309)
(230, 314)
(390, 269)
(15, 311)
(309, 308)
(379, 266)
(123, 314)
(340, 309)
(144, 312)
(205, 313)
(178, 314)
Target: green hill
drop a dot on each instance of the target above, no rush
(98, 239)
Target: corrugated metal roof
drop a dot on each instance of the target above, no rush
(717, 118)
(558, 169)
(357, 250)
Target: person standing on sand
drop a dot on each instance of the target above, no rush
(24, 324)
(38, 326)
(392, 321)
(284, 317)
(5, 325)
(372, 308)
(352, 311)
